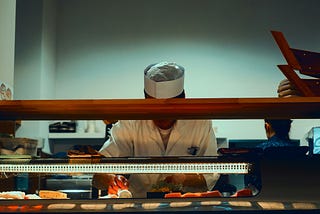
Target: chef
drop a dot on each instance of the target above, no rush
(160, 138)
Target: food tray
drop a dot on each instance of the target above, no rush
(18, 146)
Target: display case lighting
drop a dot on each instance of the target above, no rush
(129, 168)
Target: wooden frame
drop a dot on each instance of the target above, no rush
(306, 62)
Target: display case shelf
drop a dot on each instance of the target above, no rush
(83, 135)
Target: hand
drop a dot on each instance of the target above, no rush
(110, 182)
(119, 183)
(286, 89)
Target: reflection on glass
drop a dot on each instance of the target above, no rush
(272, 205)
(61, 206)
(240, 203)
(210, 203)
(150, 206)
(93, 206)
(301, 205)
(180, 204)
(122, 206)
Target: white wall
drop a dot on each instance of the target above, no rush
(225, 45)
(102, 47)
(35, 59)
(7, 32)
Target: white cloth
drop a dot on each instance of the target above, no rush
(165, 134)
(141, 138)
(164, 80)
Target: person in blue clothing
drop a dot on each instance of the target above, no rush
(277, 131)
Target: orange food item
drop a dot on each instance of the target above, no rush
(191, 195)
(13, 208)
(214, 193)
(122, 182)
(118, 183)
(242, 193)
(50, 194)
(36, 207)
(113, 188)
(24, 208)
(173, 195)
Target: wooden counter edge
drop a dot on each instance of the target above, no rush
(189, 108)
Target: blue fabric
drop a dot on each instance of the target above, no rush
(274, 141)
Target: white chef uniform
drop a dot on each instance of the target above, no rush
(141, 138)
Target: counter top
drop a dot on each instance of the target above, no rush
(190, 108)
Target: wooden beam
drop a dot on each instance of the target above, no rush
(285, 50)
(197, 108)
(298, 83)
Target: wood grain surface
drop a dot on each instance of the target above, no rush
(192, 108)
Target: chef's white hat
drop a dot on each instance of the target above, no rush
(164, 80)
